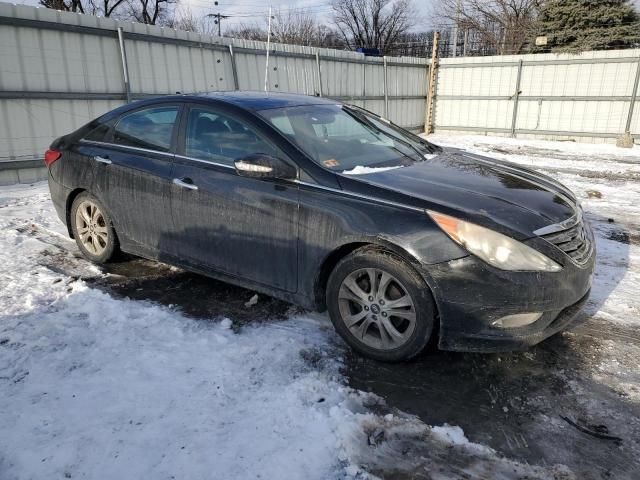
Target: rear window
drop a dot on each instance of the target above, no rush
(150, 128)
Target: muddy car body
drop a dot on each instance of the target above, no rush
(484, 254)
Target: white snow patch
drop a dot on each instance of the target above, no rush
(454, 435)
(360, 170)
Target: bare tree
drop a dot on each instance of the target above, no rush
(182, 18)
(151, 12)
(295, 27)
(108, 8)
(248, 32)
(373, 23)
(65, 5)
(505, 25)
(104, 8)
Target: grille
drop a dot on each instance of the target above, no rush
(573, 241)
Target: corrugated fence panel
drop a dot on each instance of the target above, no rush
(374, 77)
(584, 96)
(292, 75)
(407, 90)
(473, 113)
(250, 69)
(341, 79)
(409, 112)
(29, 126)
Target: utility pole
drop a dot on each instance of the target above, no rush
(266, 65)
(218, 19)
(454, 39)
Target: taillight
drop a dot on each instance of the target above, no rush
(51, 156)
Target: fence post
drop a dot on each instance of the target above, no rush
(428, 121)
(516, 100)
(386, 93)
(236, 85)
(634, 97)
(364, 81)
(319, 72)
(125, 67)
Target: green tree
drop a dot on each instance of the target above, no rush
(580, 25)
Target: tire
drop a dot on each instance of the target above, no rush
(398, 323)
(93, 229)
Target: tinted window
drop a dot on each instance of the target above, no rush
(99, 133)
(149, 128)
(216, 137)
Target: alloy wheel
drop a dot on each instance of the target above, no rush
(91, 227)
(377, 309)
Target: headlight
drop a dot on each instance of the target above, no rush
(494, 248)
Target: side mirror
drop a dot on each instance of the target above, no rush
(261, 165)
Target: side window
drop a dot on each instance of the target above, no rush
(99, 133)
(149, 128)
(216, 137)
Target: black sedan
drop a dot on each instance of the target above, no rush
(331, 207)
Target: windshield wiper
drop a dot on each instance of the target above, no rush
(362, 118)
(431, 148)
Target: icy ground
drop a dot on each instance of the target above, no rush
(103, 376)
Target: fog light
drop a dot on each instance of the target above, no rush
(518, 320)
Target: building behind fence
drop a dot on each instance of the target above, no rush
(60, 70)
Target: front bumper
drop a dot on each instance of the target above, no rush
(471, 295)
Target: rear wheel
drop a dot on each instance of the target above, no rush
(92, 229)
(380, 305)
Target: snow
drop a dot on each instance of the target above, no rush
(93, 386)
(360, 170)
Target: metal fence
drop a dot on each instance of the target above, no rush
(589, 97)
(59, 70)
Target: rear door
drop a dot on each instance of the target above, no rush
(245, 227)
(133, 173)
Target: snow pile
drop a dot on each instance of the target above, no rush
(97, 387)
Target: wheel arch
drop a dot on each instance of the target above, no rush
(337, 254)
(70, 198)
(69, 203)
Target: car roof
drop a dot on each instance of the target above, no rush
(253, 100)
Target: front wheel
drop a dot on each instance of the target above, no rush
(92, 229)
(380, 305)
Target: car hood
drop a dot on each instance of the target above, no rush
(481, 189)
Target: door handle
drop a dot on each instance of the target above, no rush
(185, 183)
(104, 160)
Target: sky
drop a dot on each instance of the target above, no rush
(255, 11)
(252, 11)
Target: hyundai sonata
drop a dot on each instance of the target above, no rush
(330, 207)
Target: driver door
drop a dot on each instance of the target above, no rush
(244, 227)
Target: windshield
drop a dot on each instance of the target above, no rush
(348, 139)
